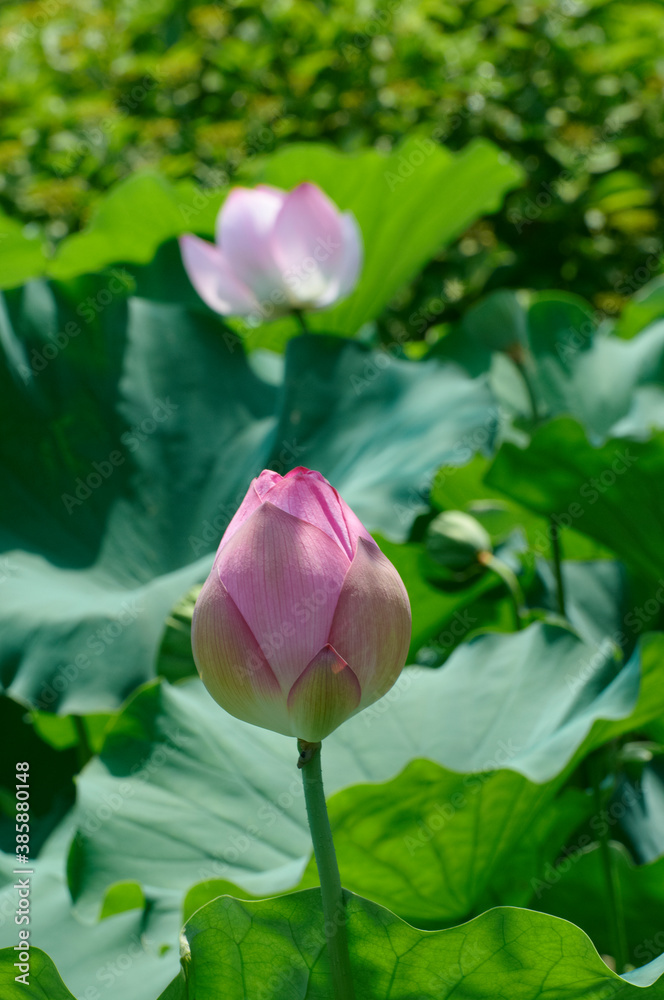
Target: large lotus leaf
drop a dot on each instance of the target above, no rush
(129, 955)
(611, 493)
(201, 795)
(134, 430)
(434, 844)
(275, 949)
(615, 387)
(576, 890)
(576, 366)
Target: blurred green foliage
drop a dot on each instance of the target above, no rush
(91, 91)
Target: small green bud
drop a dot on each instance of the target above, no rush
(455, 540)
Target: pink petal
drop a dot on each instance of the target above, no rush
(231, 664)
(352, 258)
(306, 494)
(214, 278)
(349, 264)
(253, 499)
(285, 576)
(323, 696)
(244, 229)
(277, 192)
(308, 244)
(372, 622)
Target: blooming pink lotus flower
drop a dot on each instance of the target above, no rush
(275, 251)
(302, 621)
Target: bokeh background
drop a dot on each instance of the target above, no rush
(92, 91)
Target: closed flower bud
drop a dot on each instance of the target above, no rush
(455, 540)
(275, 251)
(303, 621)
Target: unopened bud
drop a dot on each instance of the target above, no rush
(455, 540)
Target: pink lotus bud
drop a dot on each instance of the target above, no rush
(275, 251)
(302, 621)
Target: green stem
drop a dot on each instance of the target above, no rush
(299, 315)
(334, 908)
(83, 747)
(557, 567)
(613, 891)
(555, 536)
(510, 580)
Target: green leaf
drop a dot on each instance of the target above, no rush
(148, 412)
(433, 844)
(465, 488)
(645, 306)
(135, 432)
(527, 705)
(43, 981)
(275, 948)
(21, 257)
(129, 954)
(132, 220)
(576, 890)
(60, 731)
(375, 425)
(596, 600)
(604, 491)
(175, 659)
(576, 367)
(52, 791)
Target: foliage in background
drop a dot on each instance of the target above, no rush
(513, 776)
(93, 91)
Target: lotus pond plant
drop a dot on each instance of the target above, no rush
(301, 623)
